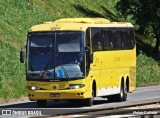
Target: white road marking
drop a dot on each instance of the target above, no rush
(147, 90)
(117, 116)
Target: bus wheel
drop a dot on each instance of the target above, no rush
(42, 103)
(89, 101)
(122, 96)
(125, 93)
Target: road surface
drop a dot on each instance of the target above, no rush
(141, 95)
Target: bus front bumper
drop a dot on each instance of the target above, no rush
(58, 94)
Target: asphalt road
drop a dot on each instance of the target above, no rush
(141, 95)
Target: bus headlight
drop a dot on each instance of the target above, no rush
(33, 88)
(76, 86)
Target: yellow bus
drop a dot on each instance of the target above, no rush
(77, 59)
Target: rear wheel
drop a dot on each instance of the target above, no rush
(122, 96)
(125, 93)
(41, 103)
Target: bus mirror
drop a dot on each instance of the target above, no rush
(91, 58)
(22, 55)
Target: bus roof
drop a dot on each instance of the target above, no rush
(84, 20)
(77, 24)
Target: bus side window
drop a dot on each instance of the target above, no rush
(124, 39)
(111, 45)
(118, 39)
(111, 39)
(131, 37)
(108, 39)
(97, 39)
(122, 44)
(99, 46)
(88, 38)
(107, 44)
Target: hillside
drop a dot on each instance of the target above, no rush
(17, 16)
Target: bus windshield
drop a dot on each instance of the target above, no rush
(57, 55)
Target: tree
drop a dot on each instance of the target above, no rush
(146, 14)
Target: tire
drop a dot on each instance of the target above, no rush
(41, 103)
(89, 101)
(122, 96)
(125, 93)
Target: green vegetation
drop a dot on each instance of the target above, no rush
(145, 14)
(148, 71)
(17, 16)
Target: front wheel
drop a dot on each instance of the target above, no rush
(89, 101)
(41, 103)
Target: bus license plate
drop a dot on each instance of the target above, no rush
(54, 94)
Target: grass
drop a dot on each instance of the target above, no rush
(12, 82)
(17, 16)
(148, 71)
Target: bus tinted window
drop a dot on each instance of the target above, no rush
(104, 39)
(107, 43)
(97, 40)
(131, 41)
(111, 39)
(124, 39)
(88, 37)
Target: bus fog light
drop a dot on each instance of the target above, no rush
(81, 93)
(78, 94)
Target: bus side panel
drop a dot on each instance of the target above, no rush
(112, 66)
